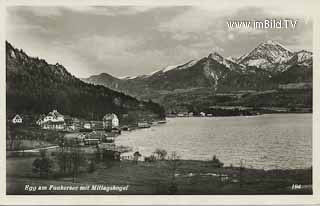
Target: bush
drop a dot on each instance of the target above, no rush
(216, 162)
(161, 153)
(42, 165)
(151, 158)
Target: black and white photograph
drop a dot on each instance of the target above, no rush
(213, 99)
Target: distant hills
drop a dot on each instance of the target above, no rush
(256, 79)
(35, 87)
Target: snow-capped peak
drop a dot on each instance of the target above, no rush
(173, 67)
(303, 55)
(163, 70)
(180, 66)
(216, 57)
(229, 63)
(266, 55)
(170, 67)
(275, 43)
(233, 59)
(127, 77)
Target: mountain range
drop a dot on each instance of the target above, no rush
(34, 87)
(270, 75)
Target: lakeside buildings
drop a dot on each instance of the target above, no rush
(57, 121)
(54, 120)
(110, 121)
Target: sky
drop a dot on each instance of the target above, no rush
(135, 40)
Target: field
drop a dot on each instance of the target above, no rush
(164, 177)
(26, 137)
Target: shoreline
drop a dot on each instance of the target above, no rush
(192, 177)
(254, 113)
(145, 178)
(26, 151)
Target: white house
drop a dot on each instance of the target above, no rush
(54, 116)
(54, 120)
(87, 125)
(40, 120)
(110, 121)
(17, 119)
(53, 125)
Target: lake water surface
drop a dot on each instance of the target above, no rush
(266, 141)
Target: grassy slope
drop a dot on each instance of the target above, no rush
(154, 178)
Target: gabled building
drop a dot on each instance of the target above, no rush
(53, 125)
(110, 121)
(40, 120)
(54, 116)
(74, 124)
(54, 120)
(17, 119)
(87, 125)
(97, 125)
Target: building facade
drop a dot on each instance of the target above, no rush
(110, 121)
(54, 120)
(17, 119)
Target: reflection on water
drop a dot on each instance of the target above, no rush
(266, 141)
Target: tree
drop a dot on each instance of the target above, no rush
(136, 156)
(241, 170)
(151, 158)
(42, 165)
(161, 153)
(173, 166)
(77, 160)
(14, 141)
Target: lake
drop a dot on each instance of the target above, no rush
(266, 141)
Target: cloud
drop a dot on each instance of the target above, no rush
(111, 10)
(126, 40)
(212, 19)
(26, 28)
(250, 31)
(103, 47)
(193, 20)
(42, 11)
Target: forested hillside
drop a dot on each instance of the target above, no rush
(36, 87)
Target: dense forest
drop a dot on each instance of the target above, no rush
(36, 87)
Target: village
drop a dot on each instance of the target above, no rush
(90, 136)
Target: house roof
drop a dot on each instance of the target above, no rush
(97, 122)
(72, 135)
(51, 122)
(67, 117)
(17, 116)
(42, 116)
(55, 113)
(109, 116)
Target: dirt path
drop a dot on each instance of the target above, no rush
(36, 149)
